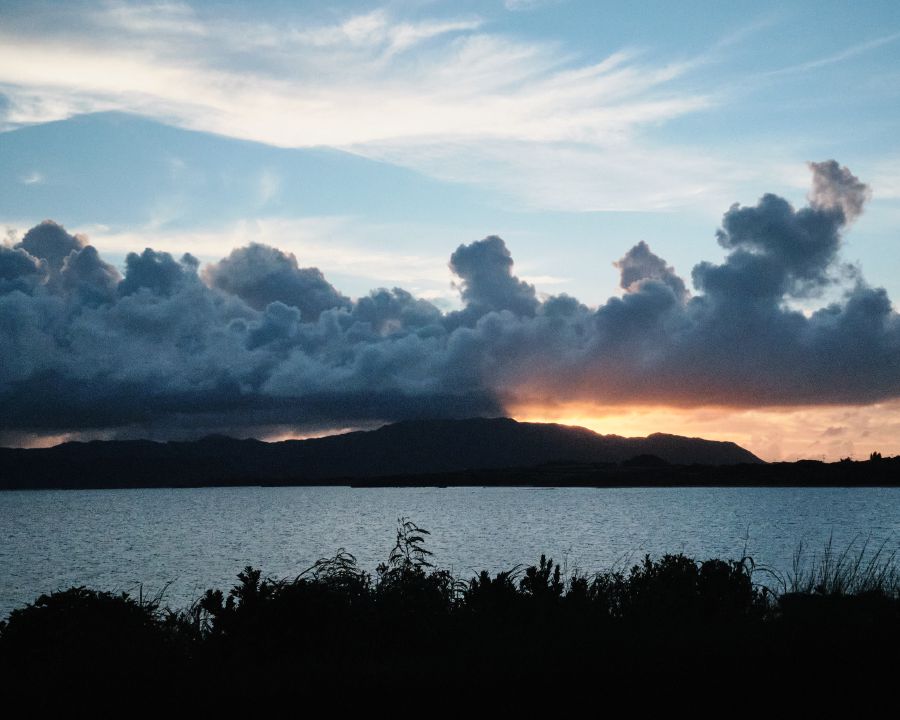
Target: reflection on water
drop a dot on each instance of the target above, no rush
(200, 538)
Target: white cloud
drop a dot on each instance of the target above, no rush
(526, 5)
(156, 17)
(844, 54)
(544, 279)
(408, 92)
(617, 175)
(32, 178)
(377, 30)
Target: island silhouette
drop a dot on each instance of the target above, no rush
(399, 450)
(475, 451)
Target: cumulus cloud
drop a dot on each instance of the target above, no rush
(51, 243)
(640, 264)
(836, 187)
(19, 270)
(86, 275)
(156, 272)
(256, 341)
(486, 279)
(261, 275)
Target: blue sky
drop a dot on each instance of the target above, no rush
(373, 139)
(571, 129)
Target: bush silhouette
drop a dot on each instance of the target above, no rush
(85, 635)
(411, 622)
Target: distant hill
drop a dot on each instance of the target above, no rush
(402, 449)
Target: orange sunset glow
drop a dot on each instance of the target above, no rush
(826, 433)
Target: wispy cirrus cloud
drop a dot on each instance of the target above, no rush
(840, 56)
(454, 96)
(397, 89)
(350, 83)
(527, 5)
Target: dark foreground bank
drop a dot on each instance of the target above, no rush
(336, 627)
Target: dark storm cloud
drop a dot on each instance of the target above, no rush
(260, 275)
(86, 275)
(51, 243)
(256, 341)
(486, 279)
(389, 311)
(19, 270)
(157, 272)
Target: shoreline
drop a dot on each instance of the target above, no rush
(802, 474)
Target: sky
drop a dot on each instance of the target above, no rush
(636, 217)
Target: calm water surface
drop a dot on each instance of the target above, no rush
(200, 538)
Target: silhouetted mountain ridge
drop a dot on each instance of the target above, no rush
(406, 448)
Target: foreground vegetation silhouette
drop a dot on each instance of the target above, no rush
(337, 625)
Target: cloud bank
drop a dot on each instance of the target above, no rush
(256, 340)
